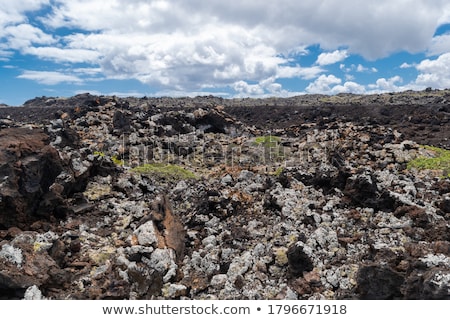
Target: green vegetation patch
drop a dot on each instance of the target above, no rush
(441, 161)
(165, 171)
(278, 172)
(117, 161)
(272, 147)
(114, 159)
(99, 154)
(268, 141)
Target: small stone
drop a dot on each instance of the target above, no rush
(218, 281)
(301, 287)
(298, 260)
(174, 290)
(180, 187)
(146, 234)
(227, 180)
(33, 293)
(245, 175)
(281, 257)
(444, 205)
(163, 260)
(313, 278)
(12, 254)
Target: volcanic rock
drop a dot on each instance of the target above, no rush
(309, 197)
(28, 167)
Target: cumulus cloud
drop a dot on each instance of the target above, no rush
(361, 68)
(266, 87)
(349, 87)
(23, 36)
(434, 73)
(13, 11)
(386, 85)
(357, 68)
(406, 65)
(439, 45)
(323, 84)
(327, 58)
(187, 46)
(331, 84)
(50, 77)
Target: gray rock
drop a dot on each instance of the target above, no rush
(33, 293)
(146, 235)
(245, 175)
(227, 180)
(218, 281)
(11, 254)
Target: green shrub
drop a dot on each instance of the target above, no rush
(441, 161)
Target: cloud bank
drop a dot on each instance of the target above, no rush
(246, 45)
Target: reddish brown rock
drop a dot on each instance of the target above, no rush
(28, 167)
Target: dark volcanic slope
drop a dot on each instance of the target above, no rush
(426, 124)
(421, 116)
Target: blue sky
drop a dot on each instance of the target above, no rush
(245, 48)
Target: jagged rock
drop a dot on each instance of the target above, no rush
(433, 284)
(28, 167)
(444, 205)
(379, 282)
(23, 266)
(121, 121)
(33, 293)
(146, 234)
(298, 260)
(364, 191)
(334, 213)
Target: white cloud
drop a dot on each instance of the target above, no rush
(64, 55)
(349, 77)
(187, 46)
(387, 85)
(49, 77)
(323, 84)
(331, 84)
(5, 54)
(349, 87)
(434, 73)
(361, 68)
(300, 72)
(327, 58)
(243, 88)
(406, 65)
(88, 71)
(13, 11)
(24, 35)
(357, 68)
(266, 87)
(439, 45)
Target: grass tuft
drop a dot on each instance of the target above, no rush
(165, 171)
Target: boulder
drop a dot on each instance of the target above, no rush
(28, 167)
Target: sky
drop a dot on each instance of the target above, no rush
(245, 48)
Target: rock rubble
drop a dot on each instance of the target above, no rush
(108, 198)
